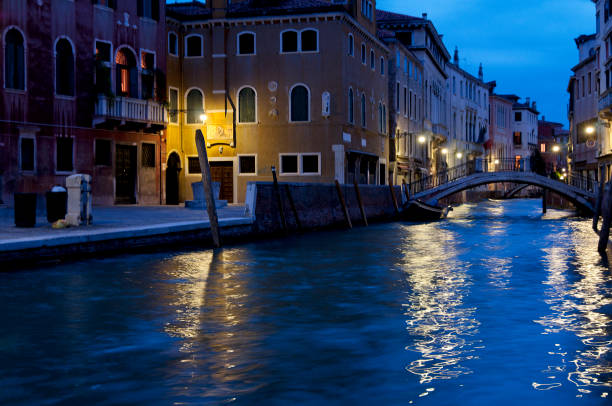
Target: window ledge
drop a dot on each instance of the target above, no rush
(63, 97)
(15, 91)
(65, 173)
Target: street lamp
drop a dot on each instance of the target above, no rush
(444, 151)
(496, 162)
(421, 139)
(459, 155)
(203, 117)
(556, 148)
(589, 130)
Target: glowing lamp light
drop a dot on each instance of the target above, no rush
(563, 169)
(444, 151)
(203, 118)
(589, 130)
(556, 148)
(459, 155)
(422, 139)
(496, 162)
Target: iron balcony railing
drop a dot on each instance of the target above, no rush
(498, 165)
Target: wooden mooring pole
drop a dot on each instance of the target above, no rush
(293, 208)
(208, 189)
(604, 233)
(544, 195)
(347, 215)
(600, 193)
(363, 213)
(393, 197)
(406, 191)
(279, 201)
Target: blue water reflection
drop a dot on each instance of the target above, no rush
(495, 305)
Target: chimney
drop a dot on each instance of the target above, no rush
(219, 8)
(533, 105)
(456, 57)
(543, 118)
(424, 16)
(528, 99)
(480, 74)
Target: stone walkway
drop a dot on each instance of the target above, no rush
(114, 222)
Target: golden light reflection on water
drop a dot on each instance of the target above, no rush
(577, 289)
(442, 328)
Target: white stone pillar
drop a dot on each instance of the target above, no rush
(338, 162)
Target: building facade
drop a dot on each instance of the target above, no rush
(500, 146)
(80, 93)
(524, 122)
(469, 114)
(301, 87)
(552, 144)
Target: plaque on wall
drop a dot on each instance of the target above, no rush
(219, 133)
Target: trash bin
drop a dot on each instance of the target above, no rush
(25, 209)
(57, 200)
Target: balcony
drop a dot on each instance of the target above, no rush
(605, 103)
(129, 113)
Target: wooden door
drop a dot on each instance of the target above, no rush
(125, 174)
(223, 172)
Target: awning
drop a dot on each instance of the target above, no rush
(353, 151)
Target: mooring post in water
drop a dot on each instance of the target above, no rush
(363, 213)
(279, 201)
(293, 208)
(544, 194)
(600, 193)
(347, 216)
(393, 197)
(604, 234)
(406, 191)
(208, 189)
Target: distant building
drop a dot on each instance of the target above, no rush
(469, 114)
(524, 121)
(500, 145)
(83, 90)
(552, 144)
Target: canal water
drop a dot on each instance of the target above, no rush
(497, 305)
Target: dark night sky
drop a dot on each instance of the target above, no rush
(527, 46)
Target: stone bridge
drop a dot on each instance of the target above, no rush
(582, 197)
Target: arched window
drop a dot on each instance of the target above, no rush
(363, 110)
(289, 41)
(351, 45)
(309, 40)
(247, 105)
(127, 73)
(64, 68)
(194, 46)
(382, 65)
(172, 44)
(246, 43)
(14, 60)
(350, 101)
(195, 106)
(300, 104)
(372, 60)
(363, 54)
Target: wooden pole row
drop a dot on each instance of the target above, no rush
(347, 216)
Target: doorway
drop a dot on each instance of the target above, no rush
(125, 174)
(223, 172)
(172, 179)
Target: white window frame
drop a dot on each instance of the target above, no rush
(280, 164)
(239, 169)
(238, 106)
(301, 166)
(241, 33)
(201, 46)
(25, 171)
(74, 79)
(177, 44)
(187, 105)
(178, 107)
(281, 42)
(300, 41)
(25, 60)
(108, 64)
(55, 156)
(309, 103)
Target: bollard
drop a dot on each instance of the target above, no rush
(600, 193)
(208, 189)
(544, 194)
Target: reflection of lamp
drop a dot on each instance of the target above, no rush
(422, 139)
(444, 151)
(556, 148)
(459, 155)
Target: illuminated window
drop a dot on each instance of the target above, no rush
(127, 73)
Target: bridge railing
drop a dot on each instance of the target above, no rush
(498, 165)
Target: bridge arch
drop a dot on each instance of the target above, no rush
(583, 199)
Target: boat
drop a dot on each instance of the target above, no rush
(418, 211)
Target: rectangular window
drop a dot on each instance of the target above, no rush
(542, 147)
(27, 154)
(148, 155)
(147, 64)
(148, 9)
(103, 67)
(310, 164)
(397, 98)
(518, 116)
(518, 139)
(289, 164)
(106, 3)
(63, 154)
(405, 102)
(590, 83)
(583, 86)
(193, 165)
(173, 105)
(102, 152)
(247, 165)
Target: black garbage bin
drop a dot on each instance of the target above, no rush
(25, 209)
(56, 206)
